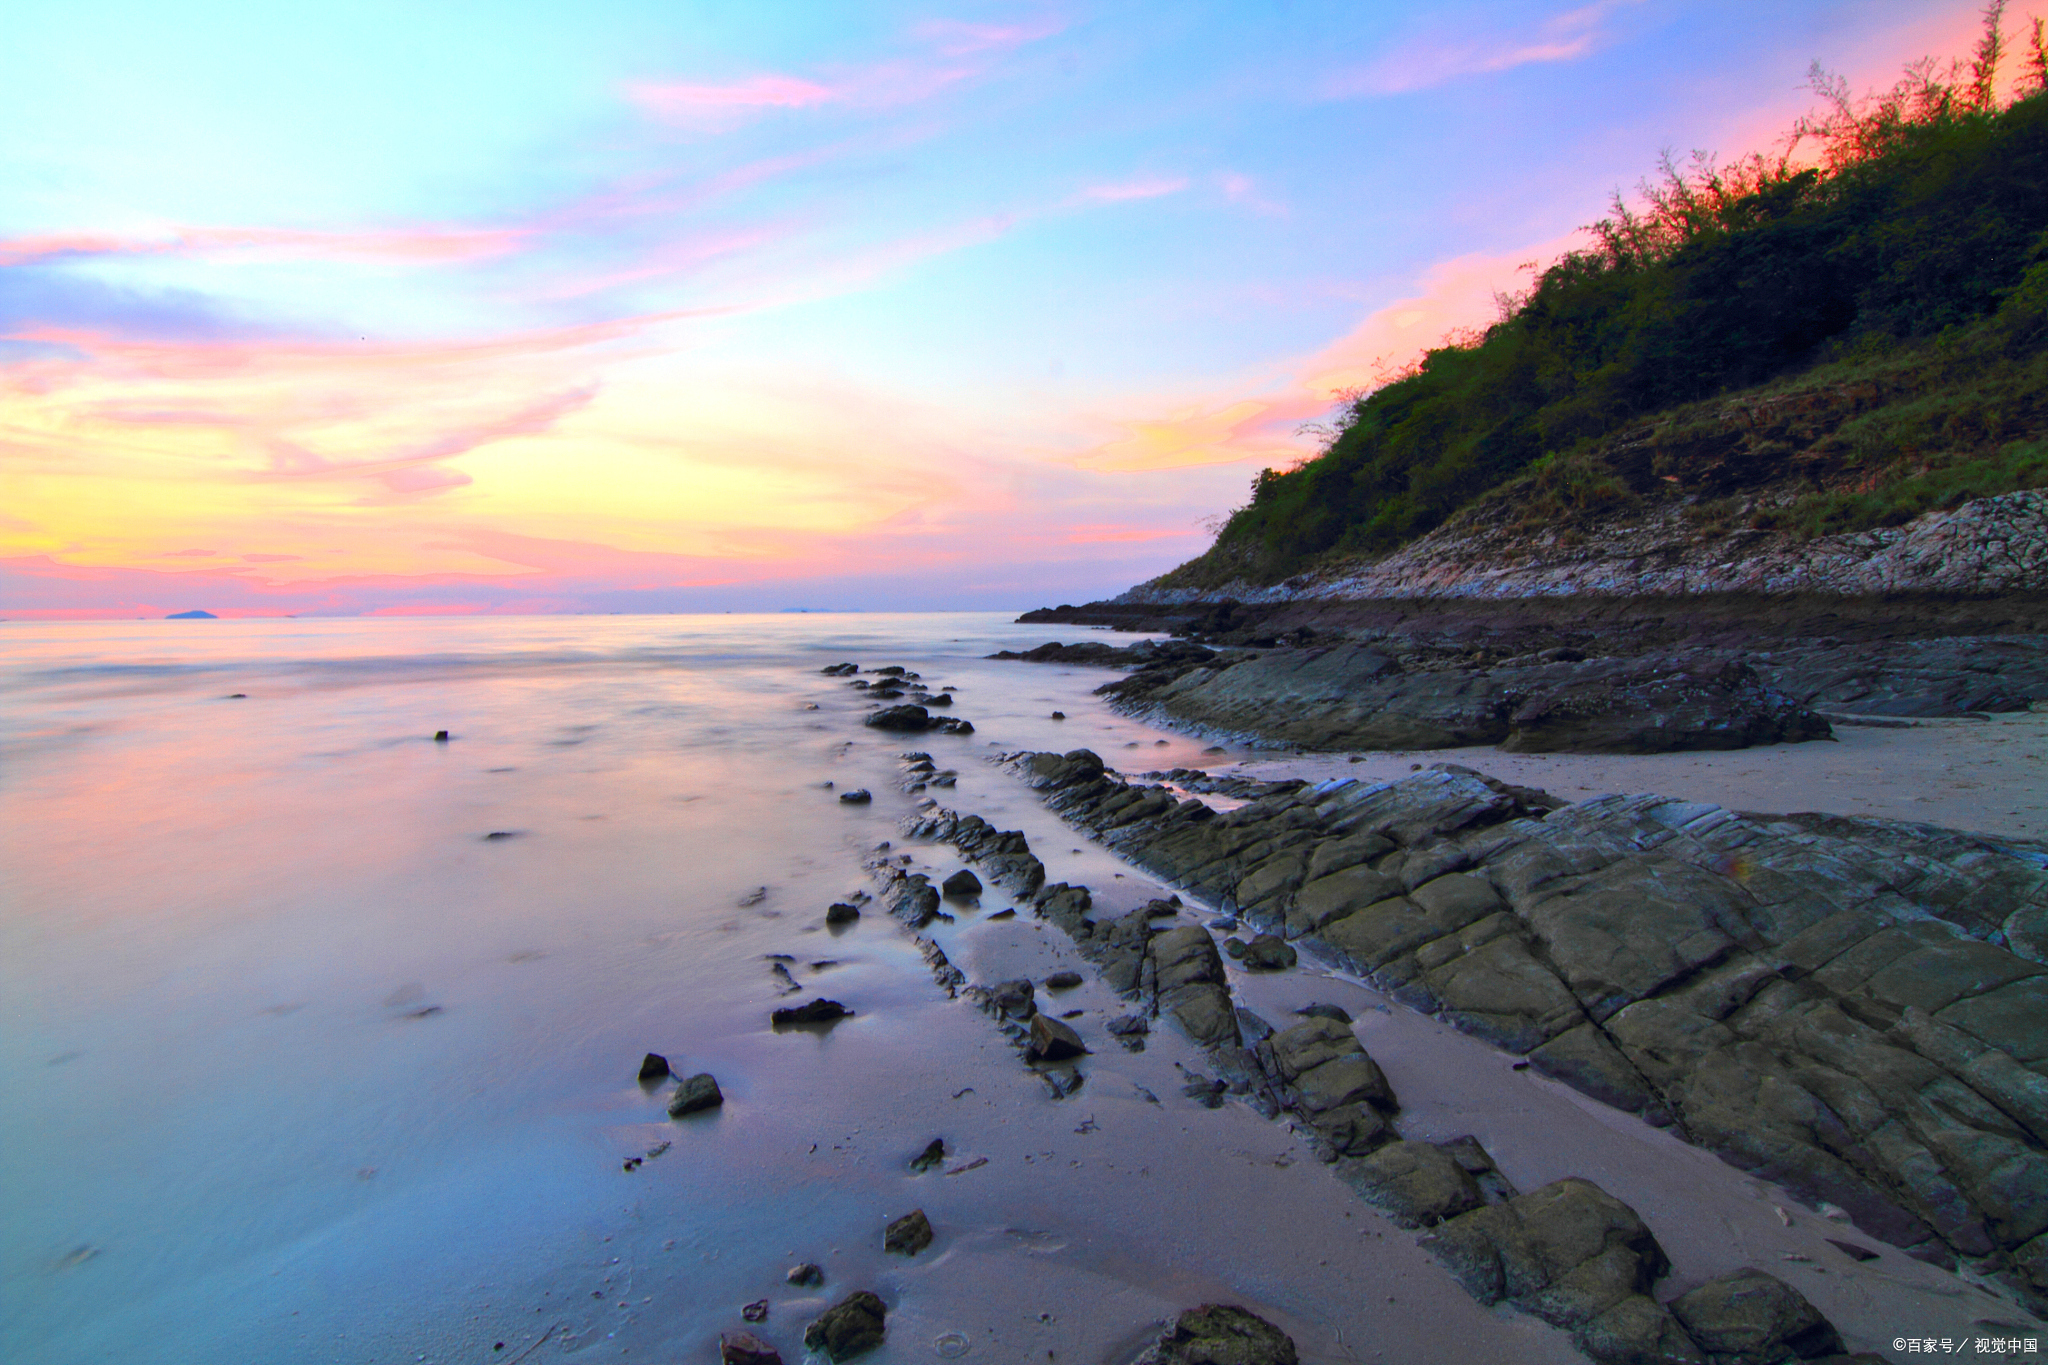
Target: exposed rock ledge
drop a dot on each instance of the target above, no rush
(1991, 545)
(1856, 1009)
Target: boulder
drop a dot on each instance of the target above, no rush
(1747, 1317)
(839, 912)
(909, 1234)
(1414, 1183)
(1220, 1334)
(855, 1324)
(819, 1011)
(961, 884)
(808, 1275)
(744, 1348)
(909, 718)
(1268, 954)
(1567, 1252)
(653, 1067)
(1052, 1041)
(1063, 981)
(698, 1092)
(859, 796)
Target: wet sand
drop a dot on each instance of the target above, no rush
(1990, 777)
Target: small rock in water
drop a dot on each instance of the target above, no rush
(498, 835)
(807, 1276)
(1269, 954)
(934, 1154)
(1322, 1011)
(909, 1234)
(1052, 1041)
(440, 736)
(744, 1348)
(699, 1092)
(1217, 1333)
(819, 1011)
(856, 1323)
(1059, 715)
(839, 912)
(754, 897)
(757, 1311)
(859, 796)
(1215, 749)
(1063, 981)
(653, 1067)
(961, 883)
(839, 670)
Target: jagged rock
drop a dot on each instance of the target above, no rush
(909, 1234)
(1575, 1256)
(855, 1324)
(1413, 1183)
(653, 1067)
(1747, 1317)
(819, 1011)
(962, 883)
(698, 1092)
(839, 912)
(1219, 1334)
(744, 1348)
(859, 796)
(933, 1155)
(1052, 1041)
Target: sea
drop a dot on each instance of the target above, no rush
(320, 1036)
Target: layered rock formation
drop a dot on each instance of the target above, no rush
(1855, 1009)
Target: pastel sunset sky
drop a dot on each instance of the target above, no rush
(378, 307)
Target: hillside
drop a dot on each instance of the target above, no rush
(1773, 349)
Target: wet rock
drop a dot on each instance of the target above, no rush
(744, 1348)
(440, 736)
(859, 796)
(1059, 715)
(909, 718)
(855, 1324)
(808, 1275)
(1575, 1256)
(1130, 1030)
(1062, 981)
(1052, 1041)
(933, 1155)
(697, 1093)
(909, 1234)
(1268, 954)
(1007, 999)
(961, 884)
(1414, 1183)
(757, 1311)
(1233, 948)
(839, 670)
(819, 1011)
(1747, 1317)
(653, 1067)
(1220, 1334)
(839, 912)
(1322, 1011)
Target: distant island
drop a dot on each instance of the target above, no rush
(191, 616)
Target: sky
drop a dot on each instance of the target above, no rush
(699, 306)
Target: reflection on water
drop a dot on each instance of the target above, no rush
(284, 996)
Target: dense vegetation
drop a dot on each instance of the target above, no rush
(1896, 250)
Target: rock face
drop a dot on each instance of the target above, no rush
(1354, 696)
(1220, 1334)
(855, 1324)
(1856, 1009)
(1991, 545)
(1750, 1318)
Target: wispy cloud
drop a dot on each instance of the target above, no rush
(1120, 192)
(681, 99)
(1435, 57)
(424, 245)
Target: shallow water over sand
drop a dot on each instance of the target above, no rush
(300, 1064)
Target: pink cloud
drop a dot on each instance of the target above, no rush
(425, 244)
(271, 559)
(1434, 58)
(681, 100)
(1134, 189)
(954, 38)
